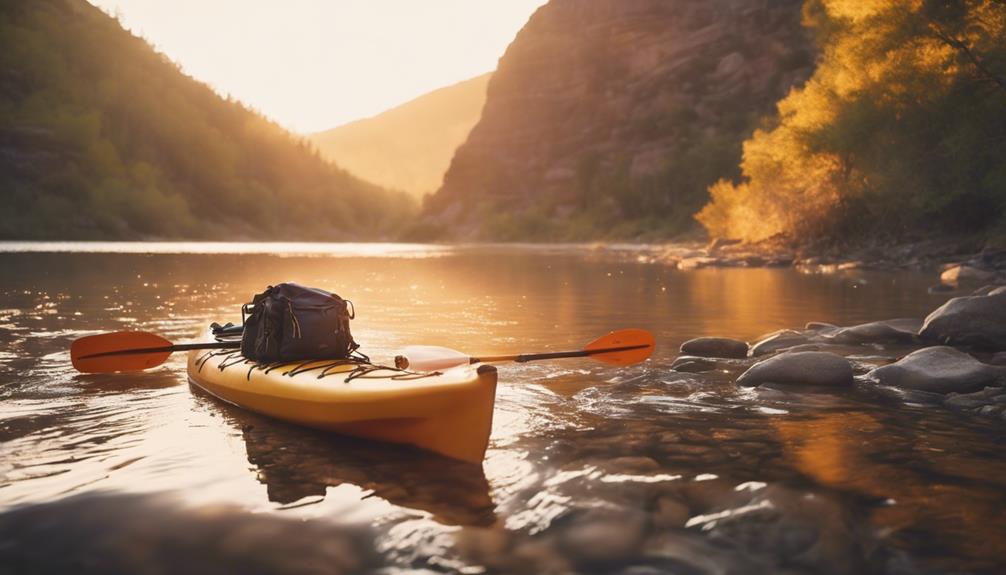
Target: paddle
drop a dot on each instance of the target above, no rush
(130, 351)
(622, 347)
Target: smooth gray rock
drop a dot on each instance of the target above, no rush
(1001, 290)
(715, 347)
(800, 367)
(938, 369)
(978, 321)
(976, 400)
(902, 330)
(998, 359)
(820, 325)
(778, 340)
(692, 364)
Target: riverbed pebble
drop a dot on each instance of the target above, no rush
(939, 369)
(715, 347)
(800, 368)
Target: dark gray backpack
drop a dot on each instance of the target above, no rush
(290, 322)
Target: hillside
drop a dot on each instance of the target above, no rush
(610, 118)
(408, 147)
(101, 137)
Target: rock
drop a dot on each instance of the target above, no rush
(998, 359)
(886, 331)
(976, 400)
(965, 272)
(717, 243)
(820, 325)
(696, 263)
(778, 340)
(1001, 290)
(602, 535)
(715, 347)
(853, 265)
(802, 367)
(670, 513)
(583, 94)
(692, 364)
(978, 321)
(938, 369)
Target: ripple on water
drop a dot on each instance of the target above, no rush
(590, 468)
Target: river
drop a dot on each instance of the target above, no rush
(589, 469)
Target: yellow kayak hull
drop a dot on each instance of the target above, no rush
(449, 413)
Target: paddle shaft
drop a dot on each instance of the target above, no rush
(524, 357)
(168, 348)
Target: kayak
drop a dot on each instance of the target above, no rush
(448, 412)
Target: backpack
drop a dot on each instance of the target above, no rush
(290, 322)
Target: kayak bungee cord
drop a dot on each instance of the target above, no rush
(363, 369)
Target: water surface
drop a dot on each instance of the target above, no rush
(589, 469)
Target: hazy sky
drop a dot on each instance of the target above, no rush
(315, 64)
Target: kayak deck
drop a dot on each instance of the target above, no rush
(447, 412)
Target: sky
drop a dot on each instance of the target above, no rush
(312, 65)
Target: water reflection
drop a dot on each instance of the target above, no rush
(589, 468)
(298, 466)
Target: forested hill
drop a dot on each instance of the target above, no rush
(101, 137)
(410, 146)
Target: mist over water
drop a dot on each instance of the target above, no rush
(589, 468)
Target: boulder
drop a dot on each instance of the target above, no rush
(775, 341)
(886, 331)
(978, 321)
(1001, 290)
(938, 369)
(965, 272)
(998, 358)
(715, 347)
(800, 367)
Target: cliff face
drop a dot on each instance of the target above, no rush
(409, 147)
(612, 117)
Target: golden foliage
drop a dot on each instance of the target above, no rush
(881, 115)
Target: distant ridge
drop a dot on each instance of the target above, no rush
(102, 137)
(410, 146)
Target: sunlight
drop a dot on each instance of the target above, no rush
(313, 65)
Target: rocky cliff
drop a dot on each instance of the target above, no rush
(610, 118)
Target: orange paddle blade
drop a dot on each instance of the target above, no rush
(151, 351)
(640, 339)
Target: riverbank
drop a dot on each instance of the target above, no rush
(953, 261)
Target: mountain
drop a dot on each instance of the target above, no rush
(610, 118)
(101, 137)
(408, 147)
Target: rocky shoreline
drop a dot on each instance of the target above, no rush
(956, 356)
(956, 260)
